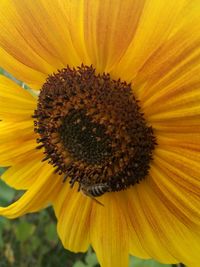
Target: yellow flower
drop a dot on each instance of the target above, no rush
(155, 46)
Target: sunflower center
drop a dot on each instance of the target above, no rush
(84, 139)
(92, 130)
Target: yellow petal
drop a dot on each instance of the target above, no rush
(170, 127)
(176, 72)
(109, 232)
(14, 100)
(109, 27)
(183, 162)
(174, 66)
(73, 212)
(33, 78)
(187, 144)
(175, 237)
(17, 140)
(136, 248)
(23, 174)
(73, 11)
(11, 153)
(176, 97)
(39, 195)
(17, 137)
(181, 98)
(183, 166)
(156, 23)
(43, 39)
(16, 131)
(170, 185)
(148, 236)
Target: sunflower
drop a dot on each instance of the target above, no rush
(108, 131)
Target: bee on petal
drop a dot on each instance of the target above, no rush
(95, 190)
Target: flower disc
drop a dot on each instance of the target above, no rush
(92, 130)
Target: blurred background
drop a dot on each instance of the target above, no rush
(32, 239)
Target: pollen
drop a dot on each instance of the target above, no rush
(92, 130)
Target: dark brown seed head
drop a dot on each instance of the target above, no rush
(92, 129)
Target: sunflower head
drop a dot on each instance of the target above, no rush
(92, 129)
(122, 126)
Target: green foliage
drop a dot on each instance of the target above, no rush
(135, 262)
(90, 260)
(1, 169)
(24, 230)
(6, 195)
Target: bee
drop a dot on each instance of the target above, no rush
(95, 190)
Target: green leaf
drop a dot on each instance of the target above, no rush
(91, 258)
(35, 243)
(51, 233)
(24, 230)
(79, 264)
(1, 238)
(2, 170)
(6, 194)
(5, 224)
(136, 262)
